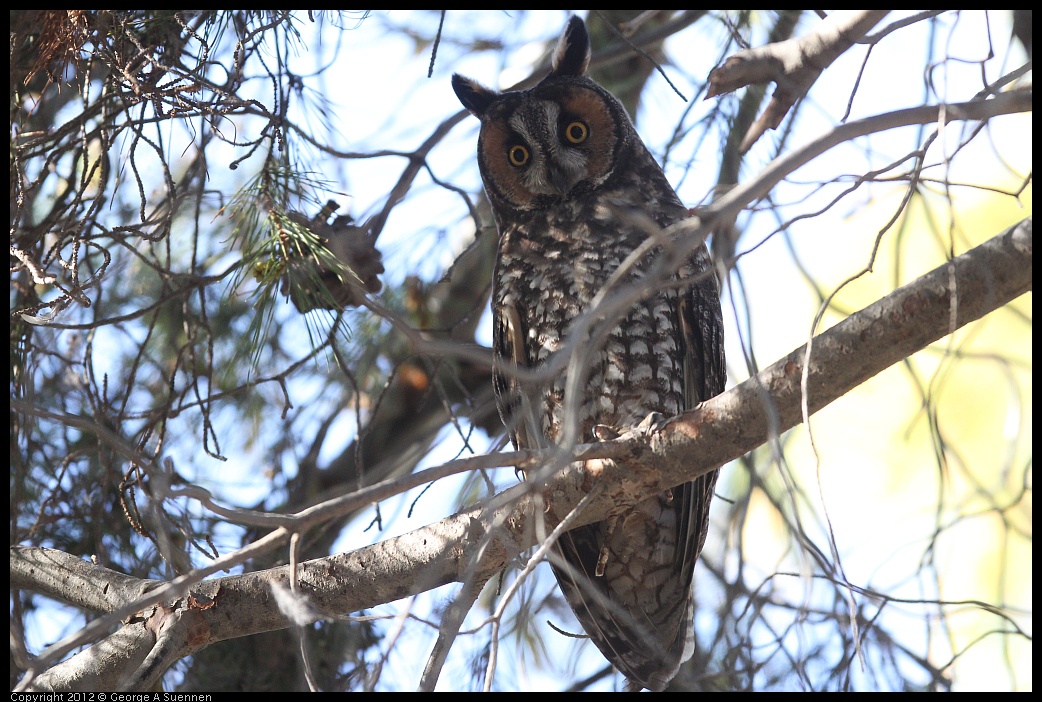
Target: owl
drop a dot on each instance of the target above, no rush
(575, 192)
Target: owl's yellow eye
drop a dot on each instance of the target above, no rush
(518, 155)
(576, 132)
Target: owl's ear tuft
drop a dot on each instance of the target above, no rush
(474, 96)
(572, 55)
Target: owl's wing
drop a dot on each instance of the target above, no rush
(701, 329)
(510, 354)
(705, 374)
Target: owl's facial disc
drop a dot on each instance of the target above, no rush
(552, 166)
(550, 144)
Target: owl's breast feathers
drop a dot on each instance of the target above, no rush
(628, 581)
(552, 265)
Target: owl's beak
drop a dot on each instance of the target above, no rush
(562, 180)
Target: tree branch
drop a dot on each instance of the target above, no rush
(477, 542)
(794, 64)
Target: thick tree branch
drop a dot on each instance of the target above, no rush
(794, 64)
(478, 542)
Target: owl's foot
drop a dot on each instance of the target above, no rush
(650, 424)
(602, 559)
(653, 422)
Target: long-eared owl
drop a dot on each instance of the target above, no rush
(575, 192)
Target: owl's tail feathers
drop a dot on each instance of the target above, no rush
(647, 670)
(647, 644)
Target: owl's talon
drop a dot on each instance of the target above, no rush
(652, 422)
(602, 559)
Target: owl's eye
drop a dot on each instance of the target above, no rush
(576, 132)
(518, 155)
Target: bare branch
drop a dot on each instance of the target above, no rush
(479, 541)
(793, 64)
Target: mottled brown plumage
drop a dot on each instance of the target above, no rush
(575, 192)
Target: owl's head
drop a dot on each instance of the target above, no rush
(551, 143)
